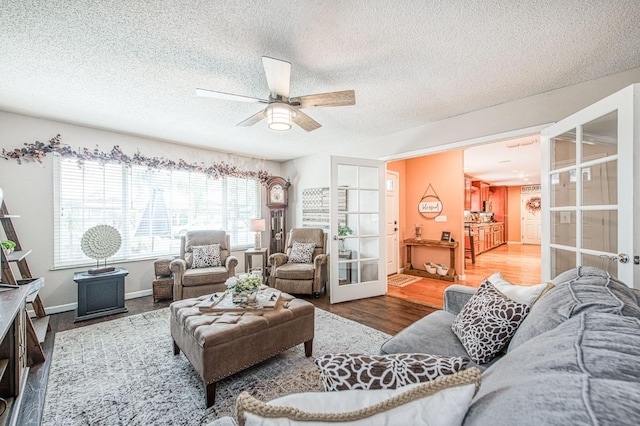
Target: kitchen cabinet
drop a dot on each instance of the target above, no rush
(487, 236)
(467, 193)
(498, 234)
(498, 198)
(482, 237)
(479, 194)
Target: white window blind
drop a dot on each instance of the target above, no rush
(151, 208)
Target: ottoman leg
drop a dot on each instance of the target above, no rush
(176, 348)
(308, 348)
(210, 390)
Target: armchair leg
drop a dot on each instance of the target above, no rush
(316, 295)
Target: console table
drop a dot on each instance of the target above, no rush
(100, 294)
(413, 242)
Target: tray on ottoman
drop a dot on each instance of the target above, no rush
(221, 343)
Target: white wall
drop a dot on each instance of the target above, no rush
(313, 171)
(28, 191)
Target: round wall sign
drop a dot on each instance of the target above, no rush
(430, 206)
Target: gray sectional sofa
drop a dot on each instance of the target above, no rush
(574, 360)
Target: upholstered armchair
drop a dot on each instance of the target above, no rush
(303, 268)
(205, 263)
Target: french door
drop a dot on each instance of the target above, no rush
(587, 188)
(357, 257)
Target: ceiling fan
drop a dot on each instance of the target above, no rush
(281, 110)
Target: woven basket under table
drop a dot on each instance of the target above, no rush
(162, 289)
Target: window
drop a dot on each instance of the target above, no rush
(151, 208)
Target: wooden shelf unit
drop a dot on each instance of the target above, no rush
(37, 327)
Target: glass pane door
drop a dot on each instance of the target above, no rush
(357, 224)
(585, 173)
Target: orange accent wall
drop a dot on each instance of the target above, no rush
(514, 217)
(444, 171)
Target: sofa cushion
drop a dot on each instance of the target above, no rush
(429, 335)
(487, 322)
(584, 371)
(443, 401)
(526, 294)
(301, 252)
(202, 276)
(206, 256)
(579, 290)
(295, 271)
(345, 371)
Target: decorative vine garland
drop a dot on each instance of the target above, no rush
(534, 204)
(36, 151)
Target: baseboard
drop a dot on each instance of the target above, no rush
(72, 306)
(137, 294)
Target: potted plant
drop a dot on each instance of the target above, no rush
(343, 231)
(244, 287)
(8, 246)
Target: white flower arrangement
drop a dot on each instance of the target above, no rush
(244, 283)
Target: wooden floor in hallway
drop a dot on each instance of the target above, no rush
(519, 263)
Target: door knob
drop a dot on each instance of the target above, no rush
(622, 258)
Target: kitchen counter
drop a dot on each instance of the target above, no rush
(486, 235)
(482, 223)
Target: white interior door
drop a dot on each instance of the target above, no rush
(391, 220)
(531, 216)
(358, 270)
(587, 188)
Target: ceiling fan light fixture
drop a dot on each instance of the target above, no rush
(279, 116)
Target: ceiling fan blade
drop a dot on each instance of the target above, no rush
(252, 120)
(228, 96)
(343, 98)
(306, 122)
(278, 74)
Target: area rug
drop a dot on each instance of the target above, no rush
(402, 280)
(123, 372)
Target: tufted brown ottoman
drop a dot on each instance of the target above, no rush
(219, 344)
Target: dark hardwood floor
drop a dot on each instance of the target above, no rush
(384, 313)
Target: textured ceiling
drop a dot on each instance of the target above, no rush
(133, 66)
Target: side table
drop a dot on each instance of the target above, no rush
(248, 259)
(100, 294)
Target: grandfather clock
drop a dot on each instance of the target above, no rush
(277, 200)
